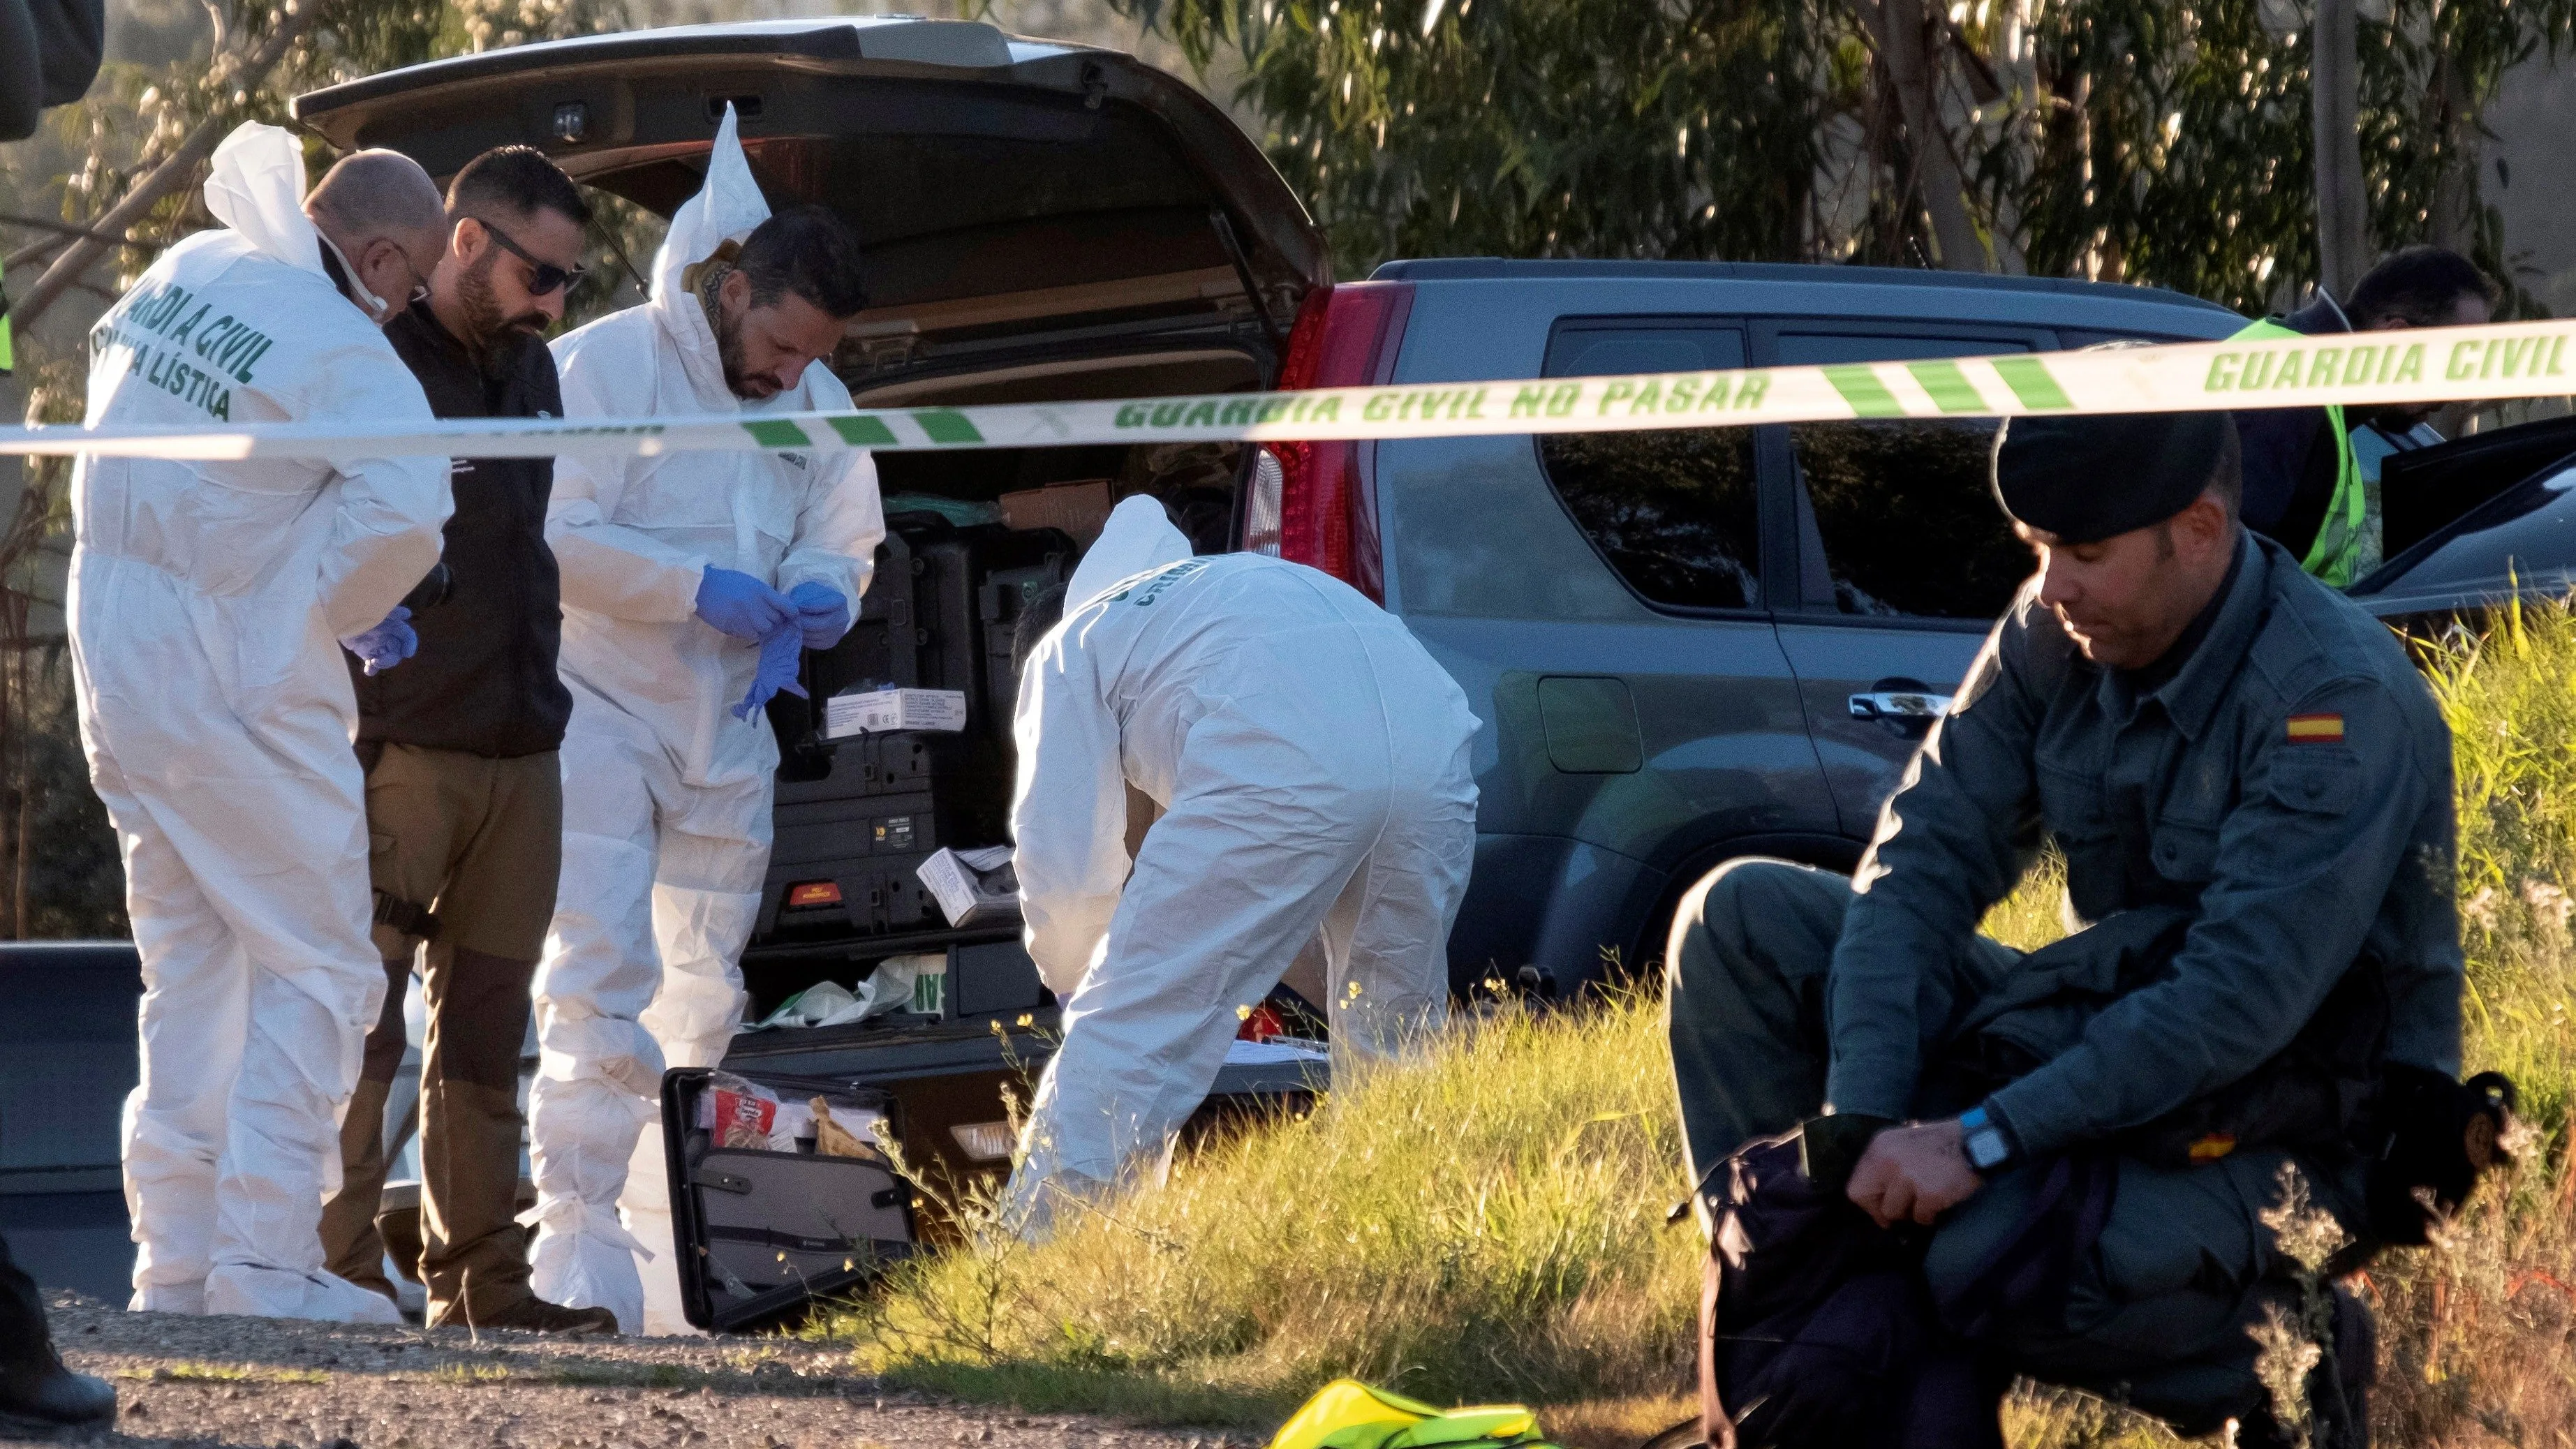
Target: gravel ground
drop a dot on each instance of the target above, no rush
(258, 1383)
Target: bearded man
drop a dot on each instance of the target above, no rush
(464, 791)
(692, 584)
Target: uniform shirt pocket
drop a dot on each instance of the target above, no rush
(2314, 779)
(2073, 804)
(2186, 850)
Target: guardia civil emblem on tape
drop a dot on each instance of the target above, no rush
(2418, 365)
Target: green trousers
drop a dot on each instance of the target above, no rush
(2157, 1314)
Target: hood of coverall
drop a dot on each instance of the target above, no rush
(256, 187)
(725, 210)
(1138, 536)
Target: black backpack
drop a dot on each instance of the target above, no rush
(1816, 1328)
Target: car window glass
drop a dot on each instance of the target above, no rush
(1897, 517)
(2524, 537)
(1673, 511)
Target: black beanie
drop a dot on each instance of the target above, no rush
(2085, 479)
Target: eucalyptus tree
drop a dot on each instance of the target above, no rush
(2139, 140)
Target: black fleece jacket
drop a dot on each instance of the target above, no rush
(484, 680)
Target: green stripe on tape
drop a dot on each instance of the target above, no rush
(1950, 389)
(863, 432)
(1869, 398)
(776, 433)
(2029, 379)
(941, 425)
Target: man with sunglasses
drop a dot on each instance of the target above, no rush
(464, 799)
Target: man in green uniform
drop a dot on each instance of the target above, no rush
(2252, 790)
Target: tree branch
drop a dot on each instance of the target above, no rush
(31, 251)
(66, 234)
(65, 228)
(167, 177)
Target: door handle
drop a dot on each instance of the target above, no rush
(1900, 705)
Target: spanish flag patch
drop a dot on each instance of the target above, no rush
(2316, 729)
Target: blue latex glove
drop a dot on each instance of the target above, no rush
(741, 605)
(387, 644)
(780, 654)
(821, 612)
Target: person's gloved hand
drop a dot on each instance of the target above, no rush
(780, 654)
(387, 644)
(821, 612)
(741, 605)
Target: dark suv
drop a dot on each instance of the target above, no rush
(1684, 646)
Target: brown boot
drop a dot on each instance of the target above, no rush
(529, 1315)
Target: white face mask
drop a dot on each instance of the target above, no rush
(378, 310)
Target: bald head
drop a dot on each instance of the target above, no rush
(387, 220)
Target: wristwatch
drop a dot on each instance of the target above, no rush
(1983, 1139)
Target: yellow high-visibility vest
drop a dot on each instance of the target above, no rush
(2338, 543)
(1347, 1414)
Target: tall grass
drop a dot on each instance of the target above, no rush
(2510, 696)
(1489, 1217)
(1488, 1224)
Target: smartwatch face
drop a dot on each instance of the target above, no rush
(1985, 1148)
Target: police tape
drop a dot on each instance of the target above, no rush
(2421, 365)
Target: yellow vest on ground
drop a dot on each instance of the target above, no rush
(1348, 1414)
(2338, 543)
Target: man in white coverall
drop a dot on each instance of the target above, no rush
(1311, 761)
(217, 714)
(690, 584)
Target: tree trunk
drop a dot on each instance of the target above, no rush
(2091, 259)
(2016, 63)
(1897, 29)
(2455, 193)
(24, 844)
(167, 177)
(2334, 103)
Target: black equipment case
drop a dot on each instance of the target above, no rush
(762, 1235)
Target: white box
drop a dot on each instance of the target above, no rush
(886, 710)
(972, 886)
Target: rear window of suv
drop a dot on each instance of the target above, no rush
(1674, 512)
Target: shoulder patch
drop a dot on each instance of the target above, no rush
(2316, 729)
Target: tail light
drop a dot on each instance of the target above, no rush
(1316, 503)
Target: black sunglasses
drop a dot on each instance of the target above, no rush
(548, 276)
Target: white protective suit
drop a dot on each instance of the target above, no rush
(1311, 760)
(666, 794)
(206, 601)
